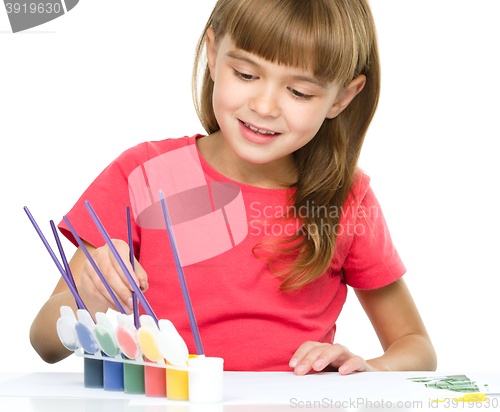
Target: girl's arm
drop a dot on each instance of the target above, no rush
(398, 325)
(43, 332)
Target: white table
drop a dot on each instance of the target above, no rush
(243, 391)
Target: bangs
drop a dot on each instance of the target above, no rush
(312, 35)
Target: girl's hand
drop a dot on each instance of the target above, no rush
(92, 286)
(317, 356)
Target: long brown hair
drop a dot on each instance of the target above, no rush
(337, 39)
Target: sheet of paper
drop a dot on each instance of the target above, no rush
(486, 383)
(325, 390)
(457, 385)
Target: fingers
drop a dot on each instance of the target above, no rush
(309, 353)
(124, 252)
(354, 364)
(95, 289)
(141, 275)
(95, 297)
(116, 279)
(316, 356)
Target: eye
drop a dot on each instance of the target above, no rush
(299, 95)
(244, 76)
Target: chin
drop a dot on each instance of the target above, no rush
(257, 157)
(253, 160)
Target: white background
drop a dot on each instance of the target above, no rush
(76, 92)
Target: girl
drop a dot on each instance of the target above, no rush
(287, 93)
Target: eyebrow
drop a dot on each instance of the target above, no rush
(235, 54)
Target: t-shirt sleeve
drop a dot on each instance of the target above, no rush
(372, 260)
(109, 197)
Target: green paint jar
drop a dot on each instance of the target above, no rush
(133, 378)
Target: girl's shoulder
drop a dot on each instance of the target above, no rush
(359, 188)
(150, 149)
(143, 152)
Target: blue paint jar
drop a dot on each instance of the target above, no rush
(113, 376)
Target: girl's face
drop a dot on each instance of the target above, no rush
(266, 111)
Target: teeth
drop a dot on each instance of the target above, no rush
(260, 131)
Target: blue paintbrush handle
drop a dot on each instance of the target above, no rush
(79, 301)
(131, 247)
(180, 273)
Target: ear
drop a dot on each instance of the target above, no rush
(345, 96)
(211, 51)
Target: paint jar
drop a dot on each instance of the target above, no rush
(154, 377)
(126, 336)
(205, 379)
(92, 368)
(112, 376)
(155, 384)
(66, 329)
(92, 373)
(133, 378)
(105, 335)
(177, 383)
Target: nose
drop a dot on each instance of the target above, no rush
(266, 103)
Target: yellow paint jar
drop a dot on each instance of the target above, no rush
(177, 384)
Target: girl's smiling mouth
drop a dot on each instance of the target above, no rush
(257, 135)
(257, 130)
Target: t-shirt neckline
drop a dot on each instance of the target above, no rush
(214, 174)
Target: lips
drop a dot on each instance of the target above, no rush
(256, 134)
(257, 130)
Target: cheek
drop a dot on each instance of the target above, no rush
(227, 95)
(306, 122)
(222, 112)
(224, 103)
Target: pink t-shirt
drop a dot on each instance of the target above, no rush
(242, 316)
